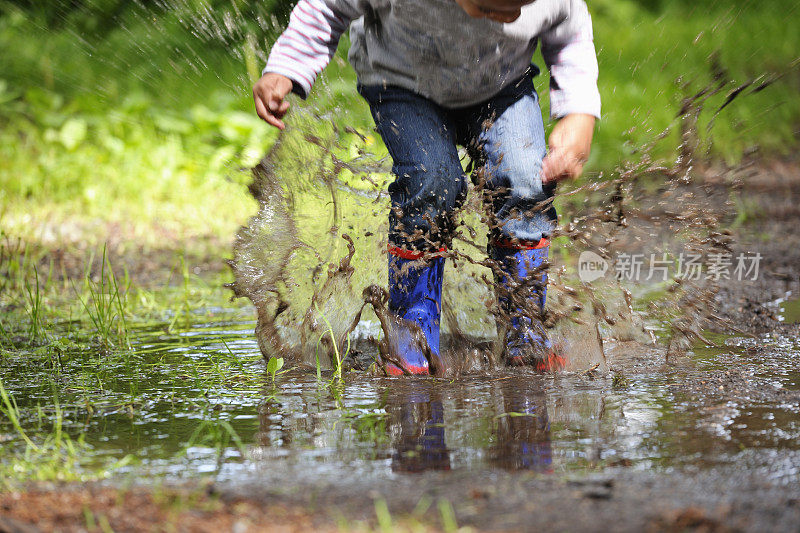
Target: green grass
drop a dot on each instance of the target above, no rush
(52, 456)
(106, 305)
(46, 308)
(651, 60)
(36, 329)
(74, 361)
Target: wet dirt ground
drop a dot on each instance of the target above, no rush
(704, 440)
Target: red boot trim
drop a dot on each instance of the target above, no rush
(553, 363)
(393, 370)
(517, 244)
(411, 255)
(515, 361)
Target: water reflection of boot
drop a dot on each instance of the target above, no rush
(420, 444)
(523, 431)
(522, 292)
(415, 297)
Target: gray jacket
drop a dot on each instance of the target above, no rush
(435, 49)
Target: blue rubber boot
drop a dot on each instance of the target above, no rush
(524, 441)
(522, 297)
(415, 296)
(421, 445)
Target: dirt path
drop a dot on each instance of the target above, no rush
(78, 507)
(618, 500)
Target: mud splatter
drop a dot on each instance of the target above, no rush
(318, 291)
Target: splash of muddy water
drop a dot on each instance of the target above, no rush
(313, 259)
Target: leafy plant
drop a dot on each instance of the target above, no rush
(273, 366)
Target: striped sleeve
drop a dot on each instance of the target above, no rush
(310, 40)
(568, 50)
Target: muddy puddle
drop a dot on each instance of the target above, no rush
(199, 403)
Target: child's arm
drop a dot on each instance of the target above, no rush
(300, 54)
(568, 50)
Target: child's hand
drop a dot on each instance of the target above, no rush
(269, 93)
(570, 143)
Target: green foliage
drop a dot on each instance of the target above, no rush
(96, 18)
(371, 427)
(123, 111)
(652, 59)
(449, 523)
(105, 384)
(11, 411)
(48, 337)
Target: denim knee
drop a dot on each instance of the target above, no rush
(513, 148)
(425, 197)
(522, 206)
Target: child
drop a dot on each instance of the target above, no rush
(437, 73)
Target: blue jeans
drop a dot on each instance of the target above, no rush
(504, 136)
